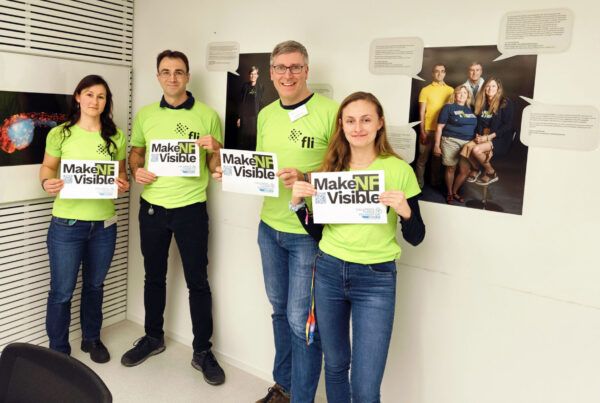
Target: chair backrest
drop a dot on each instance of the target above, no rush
(30, 373)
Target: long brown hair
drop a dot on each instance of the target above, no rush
(337, 156)
(498, 102)
(109, 129)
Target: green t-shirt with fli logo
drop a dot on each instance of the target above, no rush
(300, 144)
(372, 243)
(155, 123)
(84, 145)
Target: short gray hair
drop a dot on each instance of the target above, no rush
(289, 47)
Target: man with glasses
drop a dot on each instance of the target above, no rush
(175, 206)
(297, 127)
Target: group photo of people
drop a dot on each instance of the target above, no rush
(306, 277)
(469, 107)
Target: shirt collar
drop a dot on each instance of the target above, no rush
(188, 104)
(292, 107)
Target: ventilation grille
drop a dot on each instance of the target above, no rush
(91, 30)
(25, 273)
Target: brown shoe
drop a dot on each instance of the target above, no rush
(275, 395)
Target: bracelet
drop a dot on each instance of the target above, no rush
(297, 207)
(306, 177)
(44, 181)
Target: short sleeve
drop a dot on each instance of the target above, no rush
(137, 132)
(423, 95)
(443, 116)
(54, 141)
(121, 143)
(259, 124)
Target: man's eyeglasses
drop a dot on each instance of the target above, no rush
(166, 74)
(281, 69)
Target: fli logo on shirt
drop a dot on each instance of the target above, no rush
(305, 141)
(184, 131)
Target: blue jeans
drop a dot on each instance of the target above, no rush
(72, 243)
(367, 293)
(287, 261)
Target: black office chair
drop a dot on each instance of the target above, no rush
(30, 373)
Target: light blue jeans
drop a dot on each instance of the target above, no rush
(287, 261)
(367, 293)
(72, 243)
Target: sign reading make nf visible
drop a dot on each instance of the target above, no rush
(174, 158)
(250, 172)
(349, 197)
(86, 179)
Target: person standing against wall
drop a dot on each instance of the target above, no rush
(475, 81)
(82, 231)
(297, 127)
(175, 206)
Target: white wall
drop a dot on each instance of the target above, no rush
(491, 307)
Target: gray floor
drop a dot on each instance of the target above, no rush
(167, 377)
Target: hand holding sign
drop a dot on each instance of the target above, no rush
(143, 176)
(290, 175)
(396, 200)
(300, 190)
(209, 143)
(53, 186)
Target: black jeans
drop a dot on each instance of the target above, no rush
(189, 224)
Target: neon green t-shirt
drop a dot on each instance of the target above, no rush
(155, 123)
(372, 243)
(84, 145)
(300, 144)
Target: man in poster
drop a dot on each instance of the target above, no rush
(475, 81)
(175, 206)
(431, 100)
(297, 127)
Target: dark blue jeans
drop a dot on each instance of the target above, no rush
(367, 293)
(287, 261)
(189, 225)
(72, 243)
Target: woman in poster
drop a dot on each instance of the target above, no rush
(251, 101)
(494, 131)
(82, 231)
(355, 274)
(455, 128)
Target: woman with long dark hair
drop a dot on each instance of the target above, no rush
(355, 269)
(82, 231)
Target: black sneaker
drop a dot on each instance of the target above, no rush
(144, 347)
(97, 350)
(206, 362)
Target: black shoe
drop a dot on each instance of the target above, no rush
(206, 362)
(97, 350)
(144, 347)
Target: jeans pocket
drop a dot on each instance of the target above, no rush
(65, 222)
(385, 268)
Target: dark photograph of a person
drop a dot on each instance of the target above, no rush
(250, 105)
(478, 138)
(247, 94)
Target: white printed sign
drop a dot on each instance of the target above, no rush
(535, 32)
(570, 127)
(223, 56)
(174, 158)
(396, 56)
(348, 197)
(403, 140)
(87, 179)
(250, 172)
